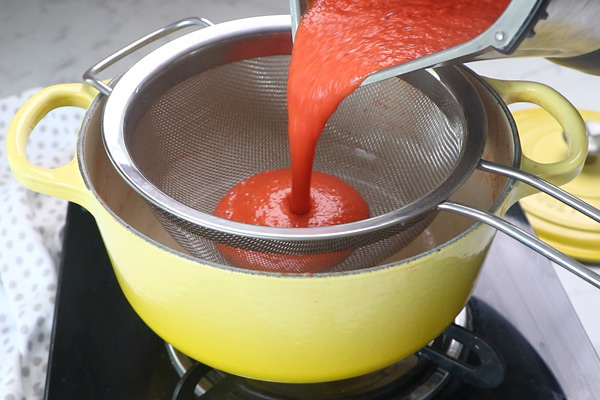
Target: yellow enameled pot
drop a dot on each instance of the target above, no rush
(290, 328)
(286, 328)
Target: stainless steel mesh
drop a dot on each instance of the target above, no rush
(396, 142)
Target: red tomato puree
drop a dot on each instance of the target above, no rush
(337, 45)
(263, 199)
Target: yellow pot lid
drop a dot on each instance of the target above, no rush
(554, 222)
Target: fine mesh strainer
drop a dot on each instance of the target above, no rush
(220, 126)
(198, 115)
(205, 118)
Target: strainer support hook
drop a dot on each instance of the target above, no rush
(91, 75)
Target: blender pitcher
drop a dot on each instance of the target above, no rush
(564, 31)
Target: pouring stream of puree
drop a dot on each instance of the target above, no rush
(337, 45)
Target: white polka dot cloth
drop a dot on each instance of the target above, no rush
(30, 243)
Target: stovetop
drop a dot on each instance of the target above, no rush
(101, 349)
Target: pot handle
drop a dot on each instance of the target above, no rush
(527, 239)
(65, 181)
(563, 171)
(532, 173)
(537, 175)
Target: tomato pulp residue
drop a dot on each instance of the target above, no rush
(340, 42)
(263, 199)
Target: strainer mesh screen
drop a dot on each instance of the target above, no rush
(389, 140)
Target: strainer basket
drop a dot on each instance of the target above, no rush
(240, 129)
(209, 110)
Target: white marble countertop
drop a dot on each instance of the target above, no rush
(47, 42)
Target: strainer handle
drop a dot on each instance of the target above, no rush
(90, 76)
(65, 181)
(543, 186)
(527, 239)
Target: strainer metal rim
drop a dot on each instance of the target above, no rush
(140, 74)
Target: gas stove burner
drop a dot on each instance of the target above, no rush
(419, 376)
